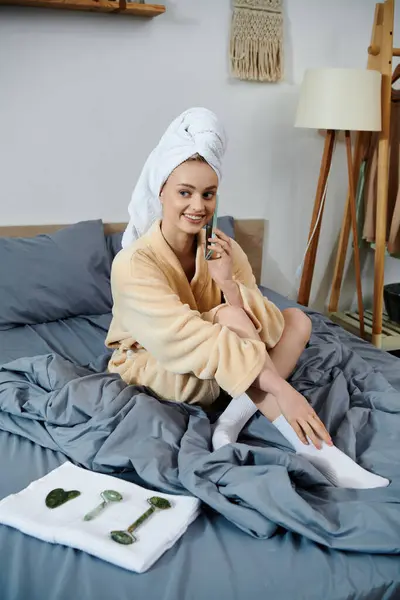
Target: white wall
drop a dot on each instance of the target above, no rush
(84, 98)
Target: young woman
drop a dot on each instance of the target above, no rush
(186, 327)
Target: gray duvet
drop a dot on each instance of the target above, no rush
(259, 484)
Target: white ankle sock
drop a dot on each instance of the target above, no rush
(339, 468)
(227, 428)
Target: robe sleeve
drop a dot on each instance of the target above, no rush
(149, 309)
(266, 316)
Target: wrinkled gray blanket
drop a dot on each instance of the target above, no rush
(258, 484)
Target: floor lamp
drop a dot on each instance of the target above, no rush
(336, 100)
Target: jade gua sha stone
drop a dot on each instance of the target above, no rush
(59, 496)
(126, 537)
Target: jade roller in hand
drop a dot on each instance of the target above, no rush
(126, 537)
(107, 496)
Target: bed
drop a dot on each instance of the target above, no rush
(271, 526)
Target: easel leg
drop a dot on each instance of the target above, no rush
(353, 213)
(309, 263)
(380, 55)
(386, 52)
(380, 241)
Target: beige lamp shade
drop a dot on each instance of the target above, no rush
(340, 99)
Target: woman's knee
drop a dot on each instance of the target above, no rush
(298, 322)
(229, 314)
(237, 320)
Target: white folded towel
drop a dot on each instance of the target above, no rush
(195, 131)
(28, 512)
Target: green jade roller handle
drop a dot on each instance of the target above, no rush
(141, 519)
(126, 537)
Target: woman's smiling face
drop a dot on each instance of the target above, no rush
(189, 196)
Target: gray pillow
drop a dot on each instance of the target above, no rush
(113, 240)
(51, 277)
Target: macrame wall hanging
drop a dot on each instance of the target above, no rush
(256, 46)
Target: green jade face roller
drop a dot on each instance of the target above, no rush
(126, 537)
(107, 496)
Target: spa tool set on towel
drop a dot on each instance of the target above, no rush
(61, 508)
(59, 496)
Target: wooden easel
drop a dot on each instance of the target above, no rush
(380, 55)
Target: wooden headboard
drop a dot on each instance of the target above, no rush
(249, 234)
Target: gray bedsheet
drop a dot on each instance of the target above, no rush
(274, 520)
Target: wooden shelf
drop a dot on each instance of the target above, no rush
(134, 9)
(351, 322)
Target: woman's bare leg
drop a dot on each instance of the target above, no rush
(285, 355)
(341, 470)
(295, 337)
(282, 359)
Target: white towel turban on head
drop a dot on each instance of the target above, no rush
(195, 131)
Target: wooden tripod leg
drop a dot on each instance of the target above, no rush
(362, 141)
(340, 259)
(353, 213)
(309, 262)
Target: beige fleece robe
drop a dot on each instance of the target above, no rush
(163, 325)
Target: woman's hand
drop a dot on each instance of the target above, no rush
(301, 416)
(221, 264)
